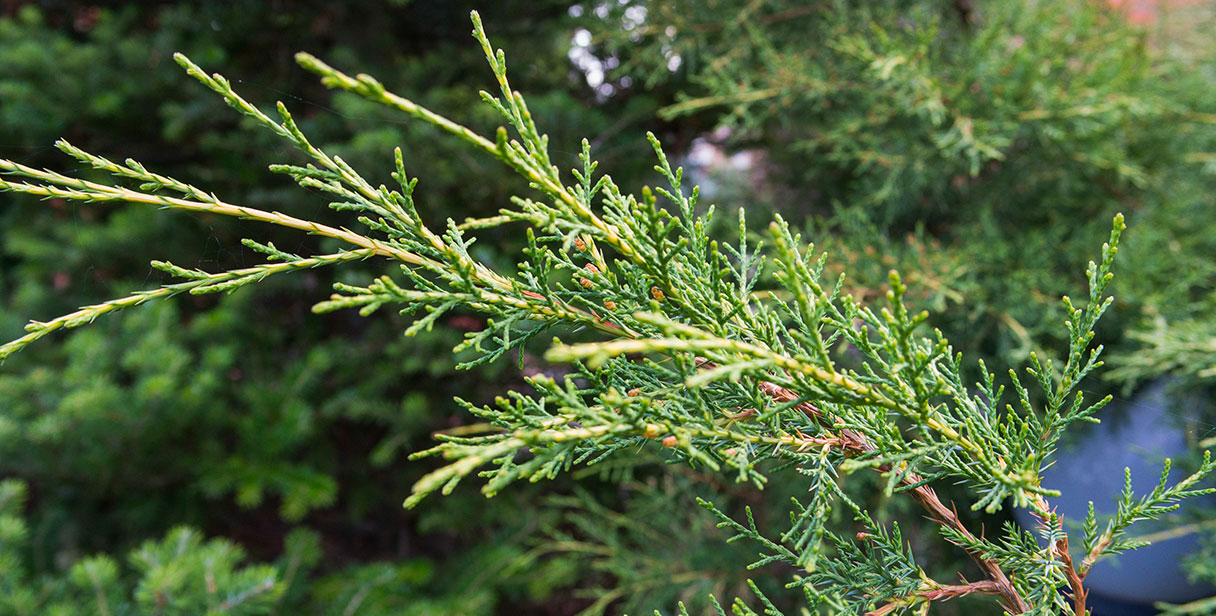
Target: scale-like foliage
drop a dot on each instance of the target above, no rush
(741, 359)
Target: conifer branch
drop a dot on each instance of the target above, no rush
(938, 592)
(200, 283)
(722, 356)
(56, 185)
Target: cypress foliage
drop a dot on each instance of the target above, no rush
(735, 356)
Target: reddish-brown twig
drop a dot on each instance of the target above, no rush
(1075, 576)
(943, 592)
(856, 444)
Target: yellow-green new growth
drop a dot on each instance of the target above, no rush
(732, 354)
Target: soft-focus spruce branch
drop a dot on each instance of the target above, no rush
(739, 359)
(181, 571)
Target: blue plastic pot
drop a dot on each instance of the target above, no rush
(1138, 434)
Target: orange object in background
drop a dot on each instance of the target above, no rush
(1147, 11)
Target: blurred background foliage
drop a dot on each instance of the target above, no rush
(237, 454)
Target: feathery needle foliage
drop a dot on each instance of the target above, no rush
(690, 357)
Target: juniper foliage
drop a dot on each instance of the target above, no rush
(923, 131)
(995, 137)
(735, 358)
(125, 429)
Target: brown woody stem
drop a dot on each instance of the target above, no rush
(941, 592)
(857, 444)
(1075, 575)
